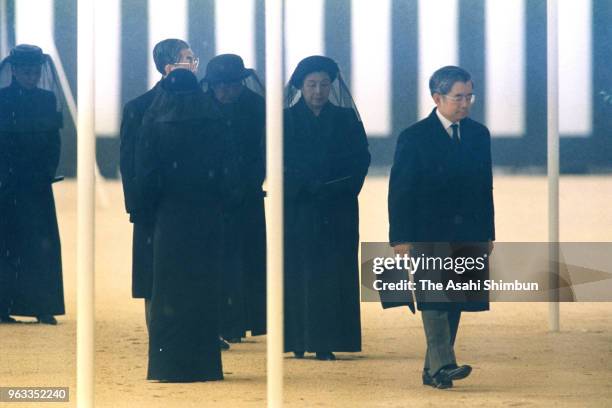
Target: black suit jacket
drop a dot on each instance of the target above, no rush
(440, 191)
(131, 124)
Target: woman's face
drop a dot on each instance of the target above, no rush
(27, 75)
(315, 90)
(228, 92)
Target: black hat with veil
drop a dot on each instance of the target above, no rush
(29, 61)
(229, 68)
(25, 55)
(339, 95)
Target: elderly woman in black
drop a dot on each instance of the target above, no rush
(30, 123)
(235, 93)
(326, 161)
(181, 170)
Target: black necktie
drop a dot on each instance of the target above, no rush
(455, 135)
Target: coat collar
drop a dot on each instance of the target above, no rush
(440, 131)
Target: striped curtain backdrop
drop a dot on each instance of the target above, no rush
(387, 50)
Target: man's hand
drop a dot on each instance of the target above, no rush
(402, 249)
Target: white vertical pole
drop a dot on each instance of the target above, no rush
(553, 157)
(85, 204)
(4, 48)
(274, 142)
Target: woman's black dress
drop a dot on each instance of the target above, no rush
(326, 161)
(30, 253)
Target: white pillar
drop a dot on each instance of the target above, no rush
(435, 50)
(235, 29)
(371, 64)
(4, 47)
(85, 205)
(553, 158)
(274, 141)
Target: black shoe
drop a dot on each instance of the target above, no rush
(223, 345)
(427, 380)
(298, 354)
(325, 356)
(7, 319)
(441, 381)
(46, 319)
(457, 373)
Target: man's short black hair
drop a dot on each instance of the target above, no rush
(444, 78)
(168, 52)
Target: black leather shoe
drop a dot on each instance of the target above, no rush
(46, 319)
(427, 380)
(325, 356)
(456, 373)
(441, 381)
(7, 319)
(298, 354)
(223, 345)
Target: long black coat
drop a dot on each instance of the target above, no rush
(180, 170)
(243, 305)
(326, 161)
(30, 258)
(141, 214)
(441, 192)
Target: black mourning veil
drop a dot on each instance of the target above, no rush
(25, 54)
(339, 95)
(25, 119)
(228, 68)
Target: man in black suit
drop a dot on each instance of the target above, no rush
(168, 55)
(441, 205)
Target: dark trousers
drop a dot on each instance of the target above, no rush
(440, 330)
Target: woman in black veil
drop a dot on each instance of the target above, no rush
(237, 95)
(326, 161)
(30, 123)
(181, 170)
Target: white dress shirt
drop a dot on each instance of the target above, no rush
(446, 124)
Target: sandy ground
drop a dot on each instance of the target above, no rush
(516, 361)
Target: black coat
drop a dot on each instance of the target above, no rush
(180, 169)
(139, 210)
(441, 192)
(30, 251)
(244, 224)
(326, 161)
